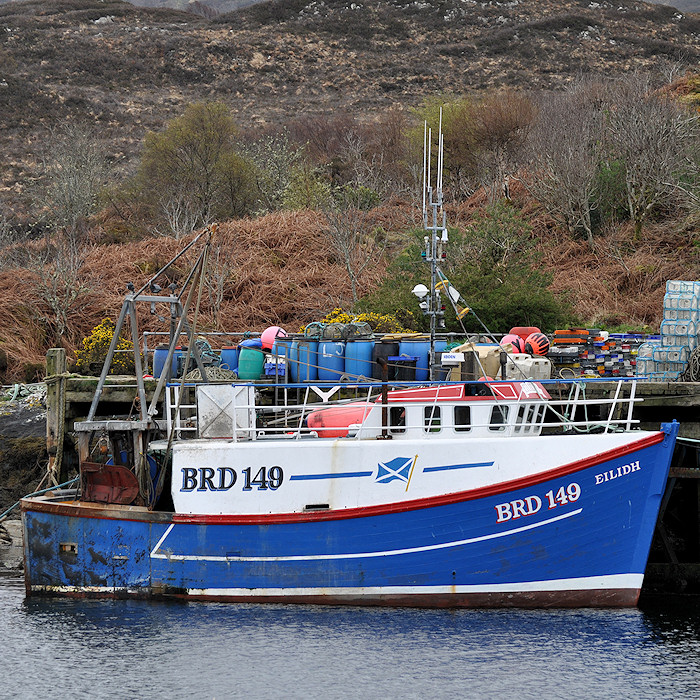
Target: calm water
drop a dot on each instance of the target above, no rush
(124, 649)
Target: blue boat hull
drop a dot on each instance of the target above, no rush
(578, 535)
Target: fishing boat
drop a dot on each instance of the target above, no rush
(450, 494)
(438, 493)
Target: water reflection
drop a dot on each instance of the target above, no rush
(127, 648)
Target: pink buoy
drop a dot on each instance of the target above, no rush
(515, 340)
(270, 334)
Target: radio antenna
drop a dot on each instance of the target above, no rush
(435, 224)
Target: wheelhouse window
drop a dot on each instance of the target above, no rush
(499, 417)
(431, 419)
(532, 414)
(462, 419)
(397, 419)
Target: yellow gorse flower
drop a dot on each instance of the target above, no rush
(380, 323)
(94, 349)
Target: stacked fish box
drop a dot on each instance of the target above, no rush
(591, 352)
(679, 330)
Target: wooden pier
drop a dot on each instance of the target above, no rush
(674, 563)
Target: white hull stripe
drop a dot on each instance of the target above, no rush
(155, 554)
(587, 583)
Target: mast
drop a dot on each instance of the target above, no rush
(435, 223)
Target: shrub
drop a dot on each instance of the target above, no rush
(380, 323)
(492, 265)
(93, 352)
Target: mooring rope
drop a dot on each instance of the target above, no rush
(39, 493)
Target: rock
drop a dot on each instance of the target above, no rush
(22, 448)
(11, 550)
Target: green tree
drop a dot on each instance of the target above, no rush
(483, 140)
(307, 189)
(192, 168)
(492, 265)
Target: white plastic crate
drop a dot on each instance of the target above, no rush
(646, 350)
(681, 314)
(664, 376)
(669, 366)
(676, 286)
(680, 301)
(678, 328)
(670, 341)
(672, 353)
(644, 367)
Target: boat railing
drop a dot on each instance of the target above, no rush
(246, 417)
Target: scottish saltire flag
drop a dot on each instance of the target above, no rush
(397, 468)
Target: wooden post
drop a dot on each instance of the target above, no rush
(55, 410)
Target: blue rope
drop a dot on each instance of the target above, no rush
(39, 493)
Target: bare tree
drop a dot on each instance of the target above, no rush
(59, 281)
(650, 134)
(565, 153)
(352, 236)
(181, 216)
(500, 126)
(74, 170)
(671, 69)
(377, 154)
(367, 165)
(219, 270)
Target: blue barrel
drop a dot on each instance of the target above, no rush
(229, 358)
(331, 360)
(178, 361)
(160, 355)
(358, 358)
(421, 350)
(303, 360)
(281, 347)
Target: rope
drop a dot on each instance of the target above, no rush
(214, 374)
(692, 371)
(39, 493)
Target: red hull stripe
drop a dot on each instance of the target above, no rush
(430, 502)
(112, 512)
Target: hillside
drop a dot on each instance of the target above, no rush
(128, 70)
